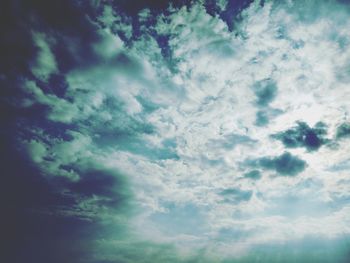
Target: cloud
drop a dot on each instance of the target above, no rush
(36, 150)
(285, 165)
(236, 195)
(343, 130)
(30, 208)
(229, 11)
(254, 175)
(265, 115)
(261, 118)
(59, 109)
(151, 123)
(304, 136)
(45, 63)
(265, 91)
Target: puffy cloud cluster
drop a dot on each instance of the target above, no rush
(343, 130)
(285, 164)
(304, 136)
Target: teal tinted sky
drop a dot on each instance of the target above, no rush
(175, 131)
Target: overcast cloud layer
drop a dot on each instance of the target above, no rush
(199, 131)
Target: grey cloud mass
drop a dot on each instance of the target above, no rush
(285, 164)
(303, 136)
(254, 174)
(265, 91)
(343, 130)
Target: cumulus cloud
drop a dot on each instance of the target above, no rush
(261, 118)
(264, 116)
(265, 91)
(304, 136)
(45, 63)
(343, 130)
(286, 164)
(254, 174)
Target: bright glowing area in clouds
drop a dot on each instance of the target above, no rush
(233, 141)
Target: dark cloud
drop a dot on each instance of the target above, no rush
(231, 13)
(343, 130)
(102, 183)
(121, 129)
(254, 174)
(31, 230)
(129, 11)
(304, 136)
(265, 91)
(43, 219)
(286, 164)
(46, 218)
(236, 195)
(50, 219)
(72, 37)
(261, 118)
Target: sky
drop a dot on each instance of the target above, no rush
(175, 131)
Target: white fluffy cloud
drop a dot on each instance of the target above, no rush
(45, 63)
